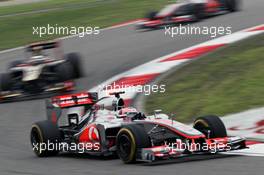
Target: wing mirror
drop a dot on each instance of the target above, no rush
(156, 112)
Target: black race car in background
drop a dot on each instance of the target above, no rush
(188, 11)
(40, 73)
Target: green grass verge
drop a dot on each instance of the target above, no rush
(45, 5)
(227, 81)
(17, 30)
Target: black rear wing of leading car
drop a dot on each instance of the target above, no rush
(42, 46)
(55, 105)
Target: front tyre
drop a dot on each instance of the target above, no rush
(232, 5)
(44, 137)
(198, 12)
(129, 139)
(211, 126)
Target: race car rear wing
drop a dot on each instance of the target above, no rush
(55, 105)
(73, 100)
(42, 46)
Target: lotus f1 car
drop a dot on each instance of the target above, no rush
(99, 129)
(187, 11)
(40, 73)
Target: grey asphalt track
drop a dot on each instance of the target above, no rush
(108, 54)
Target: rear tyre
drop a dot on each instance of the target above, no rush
(129, 139)
(5, 82)
(75, 60)
(212, 126)
(44, 136)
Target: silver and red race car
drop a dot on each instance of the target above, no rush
(40, 73)
(187, 11)
(82, 123)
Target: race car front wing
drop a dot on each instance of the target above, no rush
(211, 146)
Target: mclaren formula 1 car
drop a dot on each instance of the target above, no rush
(80, 123)
(40, 73)
(187, 11)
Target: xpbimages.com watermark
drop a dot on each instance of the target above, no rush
(175, 147)
(212, 147)
(81, 31)
(65, 147)
(212, 31)
(145, 89)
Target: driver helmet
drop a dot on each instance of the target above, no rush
(128, 112)
(36, 51)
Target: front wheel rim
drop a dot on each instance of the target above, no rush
(124, 146)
